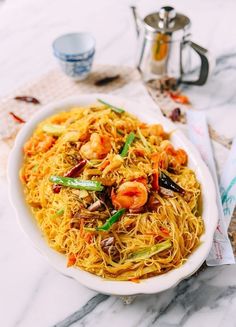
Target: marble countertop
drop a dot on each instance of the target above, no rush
(32, 294)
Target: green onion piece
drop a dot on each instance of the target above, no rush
(111, 220)
(34, 169)
(128, 142)
(53, 129)
(77, 183)
(149, 251)
(143, 140)
(60, 212)
(116, 109)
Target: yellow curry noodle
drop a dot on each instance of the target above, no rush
(112, 193)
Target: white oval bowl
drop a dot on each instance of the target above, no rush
(28, 223)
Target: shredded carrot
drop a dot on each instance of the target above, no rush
(157, 237)
(71, 260)
(88, 237)
(104, 164)
(23, 178)
(164, 231)
(155, 182)
(151, 233)
(81, 228)
(155, 159)
(139, 152)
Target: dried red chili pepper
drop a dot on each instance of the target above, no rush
(71, 260)
(166, 182)
(76, 169)
(16, 118)
(106, 80)
(56, 188)
(27, 99)
(155, 181)
(71, 173)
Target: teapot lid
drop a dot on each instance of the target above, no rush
(167, 20)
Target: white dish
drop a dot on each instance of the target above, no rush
(28, 224)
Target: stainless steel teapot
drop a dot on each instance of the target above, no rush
(164, 47)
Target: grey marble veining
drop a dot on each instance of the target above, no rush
(189, 298)
(82, 312)
(32, 294)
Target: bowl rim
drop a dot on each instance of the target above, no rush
(56, 46)
(28, 225)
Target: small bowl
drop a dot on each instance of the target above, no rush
(75, 53)
(28, 223)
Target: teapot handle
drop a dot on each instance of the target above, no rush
(205, 64)
(137, 19)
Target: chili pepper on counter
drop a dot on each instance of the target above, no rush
(106, 80)
(17, 118)
(27, 99)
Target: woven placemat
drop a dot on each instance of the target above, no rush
(55, 86)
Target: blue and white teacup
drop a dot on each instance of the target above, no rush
(75, 52)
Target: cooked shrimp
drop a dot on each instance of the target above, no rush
(39, 143)
(178, 157)
(181, 156)
(130, 195)
(169, 149)
(163, 160)
(154, 130)
(116, 162)
(97, 147)
(160, 160)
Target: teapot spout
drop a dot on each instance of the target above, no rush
(137, 19)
